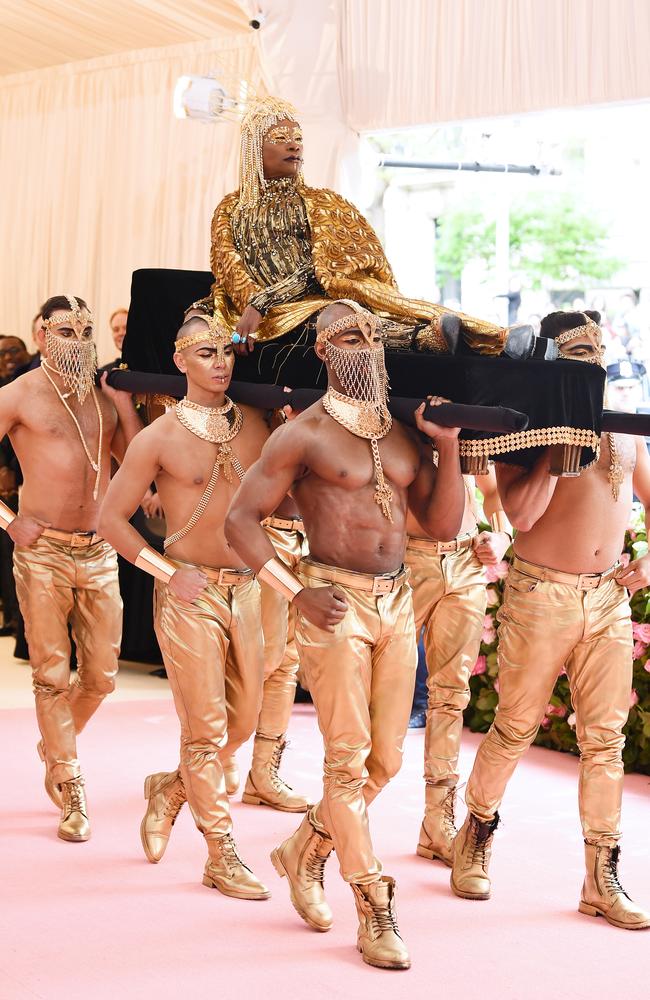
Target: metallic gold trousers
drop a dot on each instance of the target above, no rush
(361, 679)
(280, 653)
(57, 585)
(545, 626)
(212, 649)
(449, 599)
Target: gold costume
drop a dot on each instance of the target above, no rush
(361, 679)
(59, 584)
(449, 600)
(278, 628)
(296, 248)
(212, 650)
(583, 624)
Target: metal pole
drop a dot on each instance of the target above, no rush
(473, 167)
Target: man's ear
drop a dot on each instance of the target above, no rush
(180, 362)
(320, 350)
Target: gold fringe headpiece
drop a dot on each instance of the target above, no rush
(78, 318)
(359, 318)
(215, 334)
(261, 115)
(589, 329)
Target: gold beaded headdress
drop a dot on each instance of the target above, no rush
(591, 331)
(261, 115)
(359, 318)
(214, 333)
(74, 358)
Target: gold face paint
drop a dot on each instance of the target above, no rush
(284, 133)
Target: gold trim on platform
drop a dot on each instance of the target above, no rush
(538, 437)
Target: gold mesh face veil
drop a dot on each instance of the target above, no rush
(74, 358)
(262, 115)
(212, 333)
(589, 331)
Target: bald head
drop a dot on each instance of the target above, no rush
(330, 314)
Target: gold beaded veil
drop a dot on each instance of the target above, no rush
(261, 114)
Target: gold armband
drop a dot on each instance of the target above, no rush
(278, 575)
(499, 522)
(156, 565)
(6, 515)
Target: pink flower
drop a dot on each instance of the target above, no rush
(632, 535)
(646, 666)
(546, 723)
(624, 559)
(488, 635)
(571, 721)
(633, 698)
(558, 710)
(639, 650)
(480, 666)
(641, 632)
(497, 572)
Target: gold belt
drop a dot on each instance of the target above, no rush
(284, 523)
(228, 577)
(386, 583)
(77, 539)
(581, 581)
(436, 548)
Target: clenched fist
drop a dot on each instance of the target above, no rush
(324, 607)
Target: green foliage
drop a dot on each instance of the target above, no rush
(552, 239)
(558, 727)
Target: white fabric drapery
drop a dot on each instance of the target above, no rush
(99, 179)
(418, 62)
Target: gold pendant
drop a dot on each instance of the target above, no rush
(384, 496)
(616, 477)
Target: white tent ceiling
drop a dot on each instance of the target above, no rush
(35, 34)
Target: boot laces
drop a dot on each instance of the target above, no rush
(384, 919)
(229, 852)
(274, 766)
(448, 818)
(173, 804)
(74, 795)
(610, 872)
(479, 842)
(315, 866)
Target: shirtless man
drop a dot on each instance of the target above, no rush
(449, 599)
(207, 602)
(353, 474)
(565, 605)
(63, 432)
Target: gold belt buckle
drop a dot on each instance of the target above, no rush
(382, 585)
(446, 547)
(77, 540)
(589, 581)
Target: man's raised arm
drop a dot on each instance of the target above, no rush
(437, 495)
(526, 493)
(265, 485)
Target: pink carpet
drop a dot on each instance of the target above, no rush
(95, 921)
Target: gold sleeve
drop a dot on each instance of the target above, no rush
(227, 265)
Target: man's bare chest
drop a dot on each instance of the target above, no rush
(343, 459)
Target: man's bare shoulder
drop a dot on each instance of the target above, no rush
(25, 392)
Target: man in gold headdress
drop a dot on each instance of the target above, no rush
(63, 432)
(281, 250)
(207, 602)
(354, 473)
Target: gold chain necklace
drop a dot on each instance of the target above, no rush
(615, 475)
(95, 465)
(366, 421)
(210, 425)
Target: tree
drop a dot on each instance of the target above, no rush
(553, 239)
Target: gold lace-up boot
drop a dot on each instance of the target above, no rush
(74, 825)
(438, 828)
(165, 796)
(471, 858)
(231, 775)
(225, 871)
(52, 789)
(379, 939)
(301, 858)
(604, 896)
(264, 786)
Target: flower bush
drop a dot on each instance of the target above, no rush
(558, 726)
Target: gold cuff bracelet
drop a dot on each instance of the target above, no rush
(278, 575)
(6, 515)
(499, 522)
(156, 565)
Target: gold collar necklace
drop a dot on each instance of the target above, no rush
(369, 421)
(96, 466)
(216, 424)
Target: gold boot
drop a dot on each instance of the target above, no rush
(302, 859)
(438, 827)
(225, 871)
(264, 786)
(604, 896)
(165, 796)
(379, 939)
(74, 825)
(52, 789)
(471, 858)
(231, 775)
